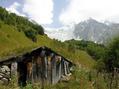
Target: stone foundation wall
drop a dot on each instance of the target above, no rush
(4, 74)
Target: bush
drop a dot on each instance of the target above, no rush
(31, 34)
(112, 55)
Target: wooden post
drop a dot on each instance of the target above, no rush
(32, 73)
(14, 74)
(14, 69)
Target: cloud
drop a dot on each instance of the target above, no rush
(14, 8)
(61, 33)
(78, 10)
(40, 11)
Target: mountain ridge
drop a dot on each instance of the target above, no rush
(88, 30)
(92, 30)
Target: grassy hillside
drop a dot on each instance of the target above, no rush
(13, 42)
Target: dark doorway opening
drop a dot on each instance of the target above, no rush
(22, 73)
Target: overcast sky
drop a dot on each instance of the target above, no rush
(58, 13)
(58, 17)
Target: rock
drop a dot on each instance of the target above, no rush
(65, 78)
(4, 69)
(4, 74)
(1, 76)
(5, 81)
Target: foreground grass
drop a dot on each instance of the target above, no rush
(79, 80)
(82, 78)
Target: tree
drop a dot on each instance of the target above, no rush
(29, 28)
(96, 51)
(111, 59)
(31, 34)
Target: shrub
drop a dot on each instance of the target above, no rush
(31, 34)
